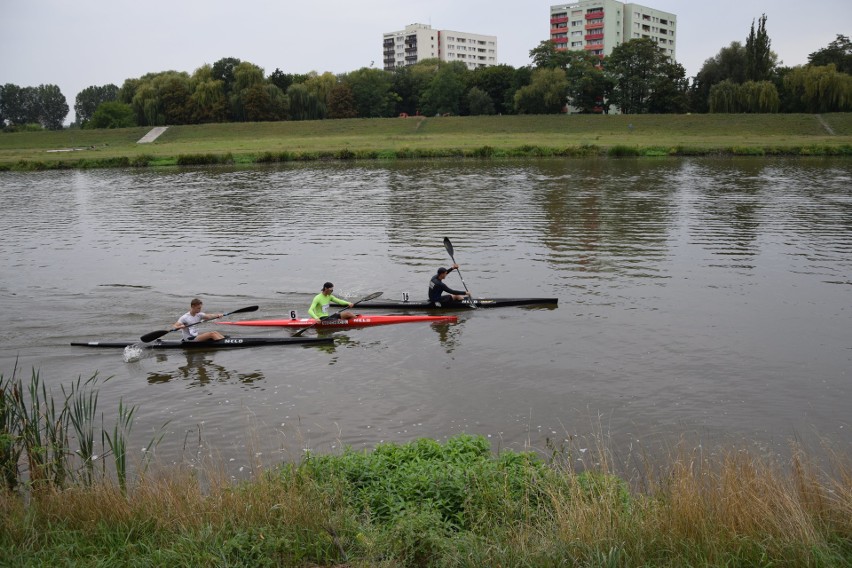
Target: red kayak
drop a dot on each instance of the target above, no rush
(359, 321)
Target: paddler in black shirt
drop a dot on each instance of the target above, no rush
(437, 289)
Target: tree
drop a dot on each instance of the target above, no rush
(819, 89)
(89, 99)
(174, 97)
(547, 56)
(261, 102)
(207, 101)
(669, 89)
(371, 89)
(748, 97)
(341, 102)
(112, 114)
(44, 104)
(724, 97)
(498, 82)
(588, 86)
(128, 90)
(729, 63)
(546, 94)
(9, 100)
(838, 52)
(410, 82)
(321, 85)
(304, 105)
(20, 104)
(281, 80)
(248, 99)
(479, 102)
(636, 68)
(760, 60)
(446, 89)
(223, 70)
(52, 107)
(162, 98)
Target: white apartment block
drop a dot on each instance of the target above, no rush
(598, 26)
(419, 41)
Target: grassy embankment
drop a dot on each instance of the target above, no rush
(417, 504)
(418, 137)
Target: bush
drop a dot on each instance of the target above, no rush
(620, 151)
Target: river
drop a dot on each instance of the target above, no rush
(700, 299)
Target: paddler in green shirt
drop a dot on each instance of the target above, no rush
(319, 306)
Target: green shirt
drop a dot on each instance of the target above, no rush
(319, 305)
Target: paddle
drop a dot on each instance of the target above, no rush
(148, 337)
(449, 246)
(372, 296)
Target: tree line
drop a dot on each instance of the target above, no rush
(635, 78)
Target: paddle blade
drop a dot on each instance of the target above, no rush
(243, 310)
(148, 337)
(372, 296)
(449, 246)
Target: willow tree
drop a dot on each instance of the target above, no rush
(819, 89)
(161, 98)
(304, 105)
(724, 97)
(547, 92)
(208, 100)
(748, 97)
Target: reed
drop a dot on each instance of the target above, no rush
(50, 443)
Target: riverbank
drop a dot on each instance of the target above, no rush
(452, 504)
(438, 137)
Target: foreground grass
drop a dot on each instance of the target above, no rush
(420, 137)
(456, 504)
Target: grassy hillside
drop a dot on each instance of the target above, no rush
(379, 138)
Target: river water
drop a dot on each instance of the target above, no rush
(707, 299)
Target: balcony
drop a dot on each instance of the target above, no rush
(554, 21)
(593, 46)
(559, 40)
(594, 15)
(593, 37)
(595, 26)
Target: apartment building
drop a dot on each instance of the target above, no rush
(419, 41)
(598, 26)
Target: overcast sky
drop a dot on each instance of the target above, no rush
(95, 42)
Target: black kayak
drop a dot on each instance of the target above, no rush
(228, 343)
(478, 302)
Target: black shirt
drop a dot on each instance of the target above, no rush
(437, 287)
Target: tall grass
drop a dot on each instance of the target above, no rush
(453, 504)
(49, 442)
(422, 503)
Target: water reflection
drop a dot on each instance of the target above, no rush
(200, 371)
(449, 335)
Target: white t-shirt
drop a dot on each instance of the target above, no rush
(189, 319)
